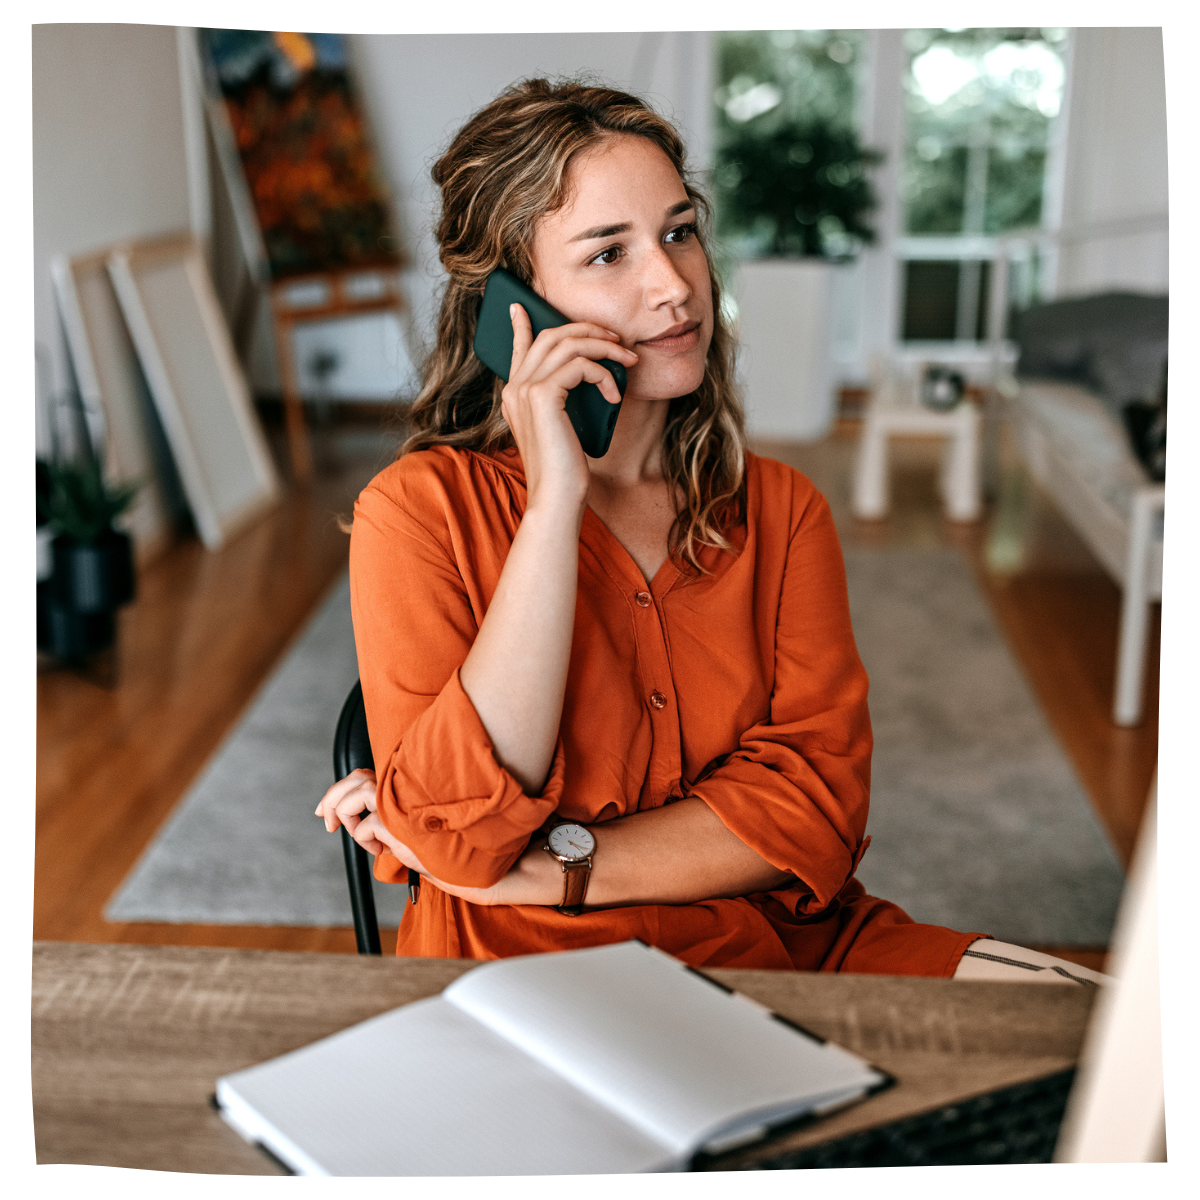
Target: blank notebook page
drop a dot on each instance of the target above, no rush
(636, 1030)
(463, 1103)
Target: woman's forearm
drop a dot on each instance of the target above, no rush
(678, 854)
(516, 671)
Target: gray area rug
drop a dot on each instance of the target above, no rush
(977, 819)
(243, 846)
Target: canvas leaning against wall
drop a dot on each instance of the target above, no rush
(125, 429)
(185, 349)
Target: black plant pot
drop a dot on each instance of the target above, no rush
(76, 605)
(93, 578)
(69, 635)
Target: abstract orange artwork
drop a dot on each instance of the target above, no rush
(320, 201)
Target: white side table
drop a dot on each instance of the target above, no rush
(959, 482)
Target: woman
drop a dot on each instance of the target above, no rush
(654, 646)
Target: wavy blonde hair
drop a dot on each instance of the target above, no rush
(504, 171)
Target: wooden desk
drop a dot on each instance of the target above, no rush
(128, 1041)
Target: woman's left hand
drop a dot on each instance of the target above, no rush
(351, 802)
(348, 799)
(530, 880)
(533, 879)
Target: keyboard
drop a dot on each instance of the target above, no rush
(1017, 1124)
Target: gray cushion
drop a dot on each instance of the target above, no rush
(1114, 343)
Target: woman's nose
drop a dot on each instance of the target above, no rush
(663, 283)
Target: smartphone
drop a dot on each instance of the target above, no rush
(593, 417)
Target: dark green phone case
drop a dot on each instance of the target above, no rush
(591, 415)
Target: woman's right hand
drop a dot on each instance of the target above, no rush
(544, 369)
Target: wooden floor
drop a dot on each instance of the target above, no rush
(206, 629)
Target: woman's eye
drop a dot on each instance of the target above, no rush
(681, 233)
(609, 256)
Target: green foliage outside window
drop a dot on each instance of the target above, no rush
(979, 108)
(791, 176)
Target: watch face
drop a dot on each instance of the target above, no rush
(571, 841)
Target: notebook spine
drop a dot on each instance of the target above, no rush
(709, 979)
(808, 1033)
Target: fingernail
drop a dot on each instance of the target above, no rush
(512, 311)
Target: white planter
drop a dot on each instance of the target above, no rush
(785, 361)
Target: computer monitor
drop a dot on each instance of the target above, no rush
(1115, 1112)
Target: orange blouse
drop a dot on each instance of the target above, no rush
(741, 686)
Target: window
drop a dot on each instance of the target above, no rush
(979, 104)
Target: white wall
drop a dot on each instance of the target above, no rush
(108, 151)
(871, 306)
(1114, 190)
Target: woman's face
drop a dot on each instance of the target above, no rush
(623, 252)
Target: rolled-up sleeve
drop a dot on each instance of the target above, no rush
(441, 790)
(797, 788)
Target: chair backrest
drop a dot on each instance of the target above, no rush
(351, 750)
(351, 742)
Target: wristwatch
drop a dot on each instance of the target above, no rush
(573, 846)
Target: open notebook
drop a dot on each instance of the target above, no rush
(613, 1059)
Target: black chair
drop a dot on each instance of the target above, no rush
(352, 749)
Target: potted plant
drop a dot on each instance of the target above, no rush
(92, 562)
(797, 190)
(794, 200)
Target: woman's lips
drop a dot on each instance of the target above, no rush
(678, 337)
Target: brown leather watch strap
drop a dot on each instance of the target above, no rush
(575, 882)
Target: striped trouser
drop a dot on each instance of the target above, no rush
(992, 960)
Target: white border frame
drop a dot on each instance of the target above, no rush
(79, 347)
(214, 523)
(152, 519)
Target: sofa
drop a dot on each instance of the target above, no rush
(1088, 402)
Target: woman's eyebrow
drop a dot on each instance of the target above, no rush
(602, 231)
(607, 231)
